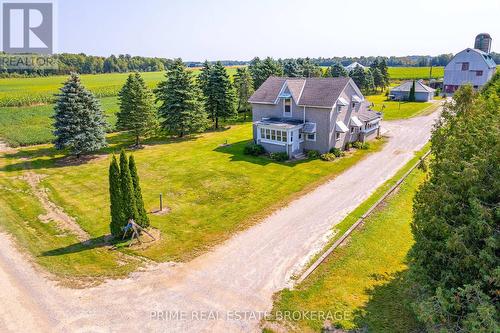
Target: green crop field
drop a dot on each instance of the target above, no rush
(28, 125)
(41, 90)
(211, 190)
(406, 73)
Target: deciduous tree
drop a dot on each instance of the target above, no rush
(454, 261)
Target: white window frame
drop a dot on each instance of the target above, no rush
(337, 136)
(287, 114)
(301, 136)
(309, 139)
(270, 131)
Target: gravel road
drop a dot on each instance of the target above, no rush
(213, 291)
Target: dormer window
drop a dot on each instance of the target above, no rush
(287, 107)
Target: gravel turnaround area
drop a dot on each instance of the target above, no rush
(226, 289)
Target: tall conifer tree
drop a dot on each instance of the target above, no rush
(137, 110)
(79, 121)
(127, 190)
(244, 89)
(220, 102)
(118, 220)
(181, 107)
(142, 217)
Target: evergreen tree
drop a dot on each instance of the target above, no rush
(378, 78)
(129, 206)
(358, 76)
(181, 107)
(142, 216)
(79, 121)
(203, 78)
(291, 68)
(220, 102)
(375, 64)
(337, 70)
(385, 73)
(369, 81)
(308, 68)
(118, 220)
(411, 97)
(137, 110)
(262, 69)
(244, 89)
(454, 260)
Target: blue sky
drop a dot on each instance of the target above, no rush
(224, 29)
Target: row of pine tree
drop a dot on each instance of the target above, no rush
(125, 195)
(180, 105)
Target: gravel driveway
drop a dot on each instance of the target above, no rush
(214, 290)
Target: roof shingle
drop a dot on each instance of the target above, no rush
(319, 92)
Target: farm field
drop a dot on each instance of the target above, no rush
(29, 125)
(29, 91)
(212, 191)
(363, 281)
(406, 73)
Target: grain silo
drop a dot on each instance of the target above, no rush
(483, 42)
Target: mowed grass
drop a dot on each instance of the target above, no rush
(41, 90)
(28, 125)
(362, 283)
(211, 191)
(393, 110)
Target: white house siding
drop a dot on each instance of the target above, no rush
(419, 96)
(454, 76)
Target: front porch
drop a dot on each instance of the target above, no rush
(281, 135)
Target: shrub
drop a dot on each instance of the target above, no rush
(280, 156)
(335, 151)
(313, 154)
(328, 156)
(365, 145)
(253, 149)
(357, 145)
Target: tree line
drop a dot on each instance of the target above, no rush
(87, 64)
(367, 80)
(454, 265)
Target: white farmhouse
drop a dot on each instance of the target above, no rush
(470, 66)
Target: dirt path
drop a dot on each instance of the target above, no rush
(54, 212)
(240, 275)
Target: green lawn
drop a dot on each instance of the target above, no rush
(38, 90)
(393, 110)
(363, 281)
(212, 192)
(30, 125)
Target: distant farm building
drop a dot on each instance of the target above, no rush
(423, 93)
(354, 65)
(470, 66)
